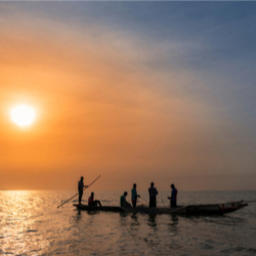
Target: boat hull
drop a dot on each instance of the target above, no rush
(190, 210)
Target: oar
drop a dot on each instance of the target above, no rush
(66, 201)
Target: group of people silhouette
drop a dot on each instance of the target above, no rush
(134, 196)
(152, 197)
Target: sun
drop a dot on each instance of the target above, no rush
(23, 115)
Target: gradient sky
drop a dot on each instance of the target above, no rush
(137, 92)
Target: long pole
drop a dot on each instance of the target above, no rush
(94, 181)
(76, 194)
(66, 201)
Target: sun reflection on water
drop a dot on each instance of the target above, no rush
(19, 223)
(17, 201)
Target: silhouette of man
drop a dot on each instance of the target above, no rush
(134, 195)
(81, 187)
(123, 201)
(92, 202)
(173, 198)
(152, 195)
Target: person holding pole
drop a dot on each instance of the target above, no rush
(81, 187)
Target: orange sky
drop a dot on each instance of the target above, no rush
(101, 110)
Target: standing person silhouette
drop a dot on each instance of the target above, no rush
(134, 195)
(173, 198)
(81, 187)
(152, 195)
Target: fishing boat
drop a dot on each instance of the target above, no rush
(189, 210)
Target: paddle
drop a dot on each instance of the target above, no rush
(67, 200)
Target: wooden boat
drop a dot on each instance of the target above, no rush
(190, 210)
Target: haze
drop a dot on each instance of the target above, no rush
(136, 92)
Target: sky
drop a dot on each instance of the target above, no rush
(134, 91)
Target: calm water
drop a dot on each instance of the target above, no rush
(30, 224)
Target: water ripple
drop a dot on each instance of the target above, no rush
(31, 225)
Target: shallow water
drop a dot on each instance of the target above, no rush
(30, 224)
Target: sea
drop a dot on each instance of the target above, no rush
(31, 224)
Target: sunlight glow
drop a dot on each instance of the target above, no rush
(23, 115)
